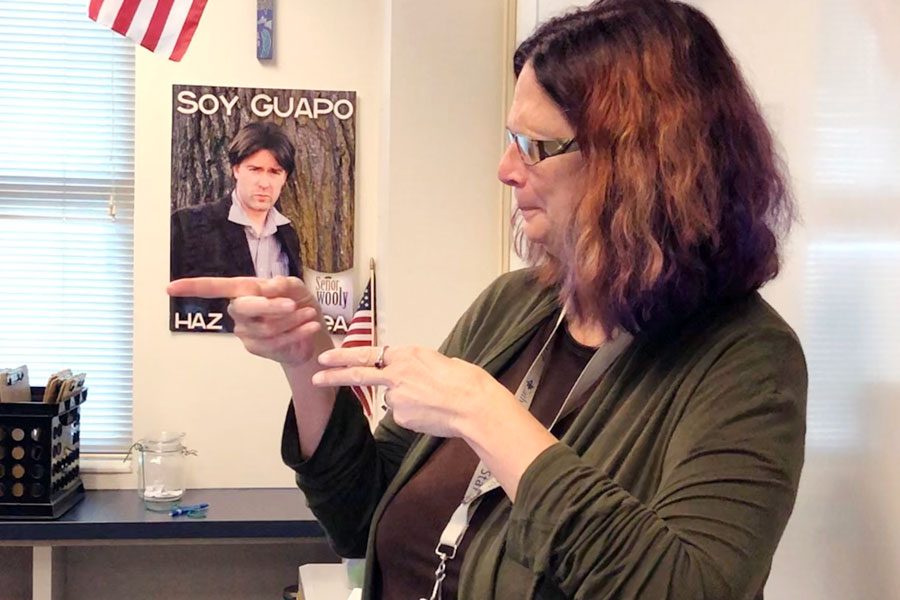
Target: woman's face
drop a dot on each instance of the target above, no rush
(546, 192)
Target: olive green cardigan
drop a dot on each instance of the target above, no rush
(674, 482)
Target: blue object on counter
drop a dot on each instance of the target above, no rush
(189, 509)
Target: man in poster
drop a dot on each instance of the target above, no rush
(240, 234)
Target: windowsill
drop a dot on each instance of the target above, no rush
(105, 463)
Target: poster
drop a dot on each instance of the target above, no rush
(263, 185)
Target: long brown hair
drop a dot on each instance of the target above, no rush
(686, 198)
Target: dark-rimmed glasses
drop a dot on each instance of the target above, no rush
(534, 151)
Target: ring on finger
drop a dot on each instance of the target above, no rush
(379, 362)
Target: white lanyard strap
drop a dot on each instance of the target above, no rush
(482, 480)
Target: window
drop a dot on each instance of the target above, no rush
(66, 200)
(852, 283)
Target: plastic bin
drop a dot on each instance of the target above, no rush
(39, 451)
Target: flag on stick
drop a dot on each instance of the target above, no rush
(361, 332)
(162, 26)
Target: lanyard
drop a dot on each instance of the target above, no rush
(482, 480)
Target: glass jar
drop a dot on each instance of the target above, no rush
(161, 467)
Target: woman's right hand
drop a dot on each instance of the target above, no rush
(274, 318)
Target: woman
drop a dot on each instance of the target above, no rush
(651, 203)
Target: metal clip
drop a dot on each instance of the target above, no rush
(131, 449)
(439, 575)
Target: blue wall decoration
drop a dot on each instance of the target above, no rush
(265, 25)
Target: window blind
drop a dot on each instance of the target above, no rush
(852, 283)
(66, 207)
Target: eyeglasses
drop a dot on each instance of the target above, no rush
(534, 151)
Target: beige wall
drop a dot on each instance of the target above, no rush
(429, 79)
(442, 204)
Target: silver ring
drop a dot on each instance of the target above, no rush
(379, 362)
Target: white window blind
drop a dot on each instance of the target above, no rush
(66, 200)
(852, 288)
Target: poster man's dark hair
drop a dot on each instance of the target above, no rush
(254, 137)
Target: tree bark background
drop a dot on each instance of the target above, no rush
(319, 198)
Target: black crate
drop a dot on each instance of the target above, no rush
(39, 450)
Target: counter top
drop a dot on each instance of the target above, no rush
(120, 515)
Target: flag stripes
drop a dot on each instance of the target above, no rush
(162, 26)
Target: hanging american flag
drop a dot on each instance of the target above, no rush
(361, 332)
(162, 26)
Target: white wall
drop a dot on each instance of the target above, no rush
(430, 89)
(440, 224)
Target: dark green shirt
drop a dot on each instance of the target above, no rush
(675, 480)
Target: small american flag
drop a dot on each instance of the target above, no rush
(162, 26)
(361, 332)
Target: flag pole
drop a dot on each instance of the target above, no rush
(374, 303)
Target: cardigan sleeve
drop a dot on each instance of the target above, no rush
(344, 479)
(729, 480)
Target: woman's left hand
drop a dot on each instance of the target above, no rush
(427, 391)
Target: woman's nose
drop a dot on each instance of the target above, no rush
(511, 168)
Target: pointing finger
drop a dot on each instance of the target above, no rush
(215, 287)
(362, 356)
(352, 376)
